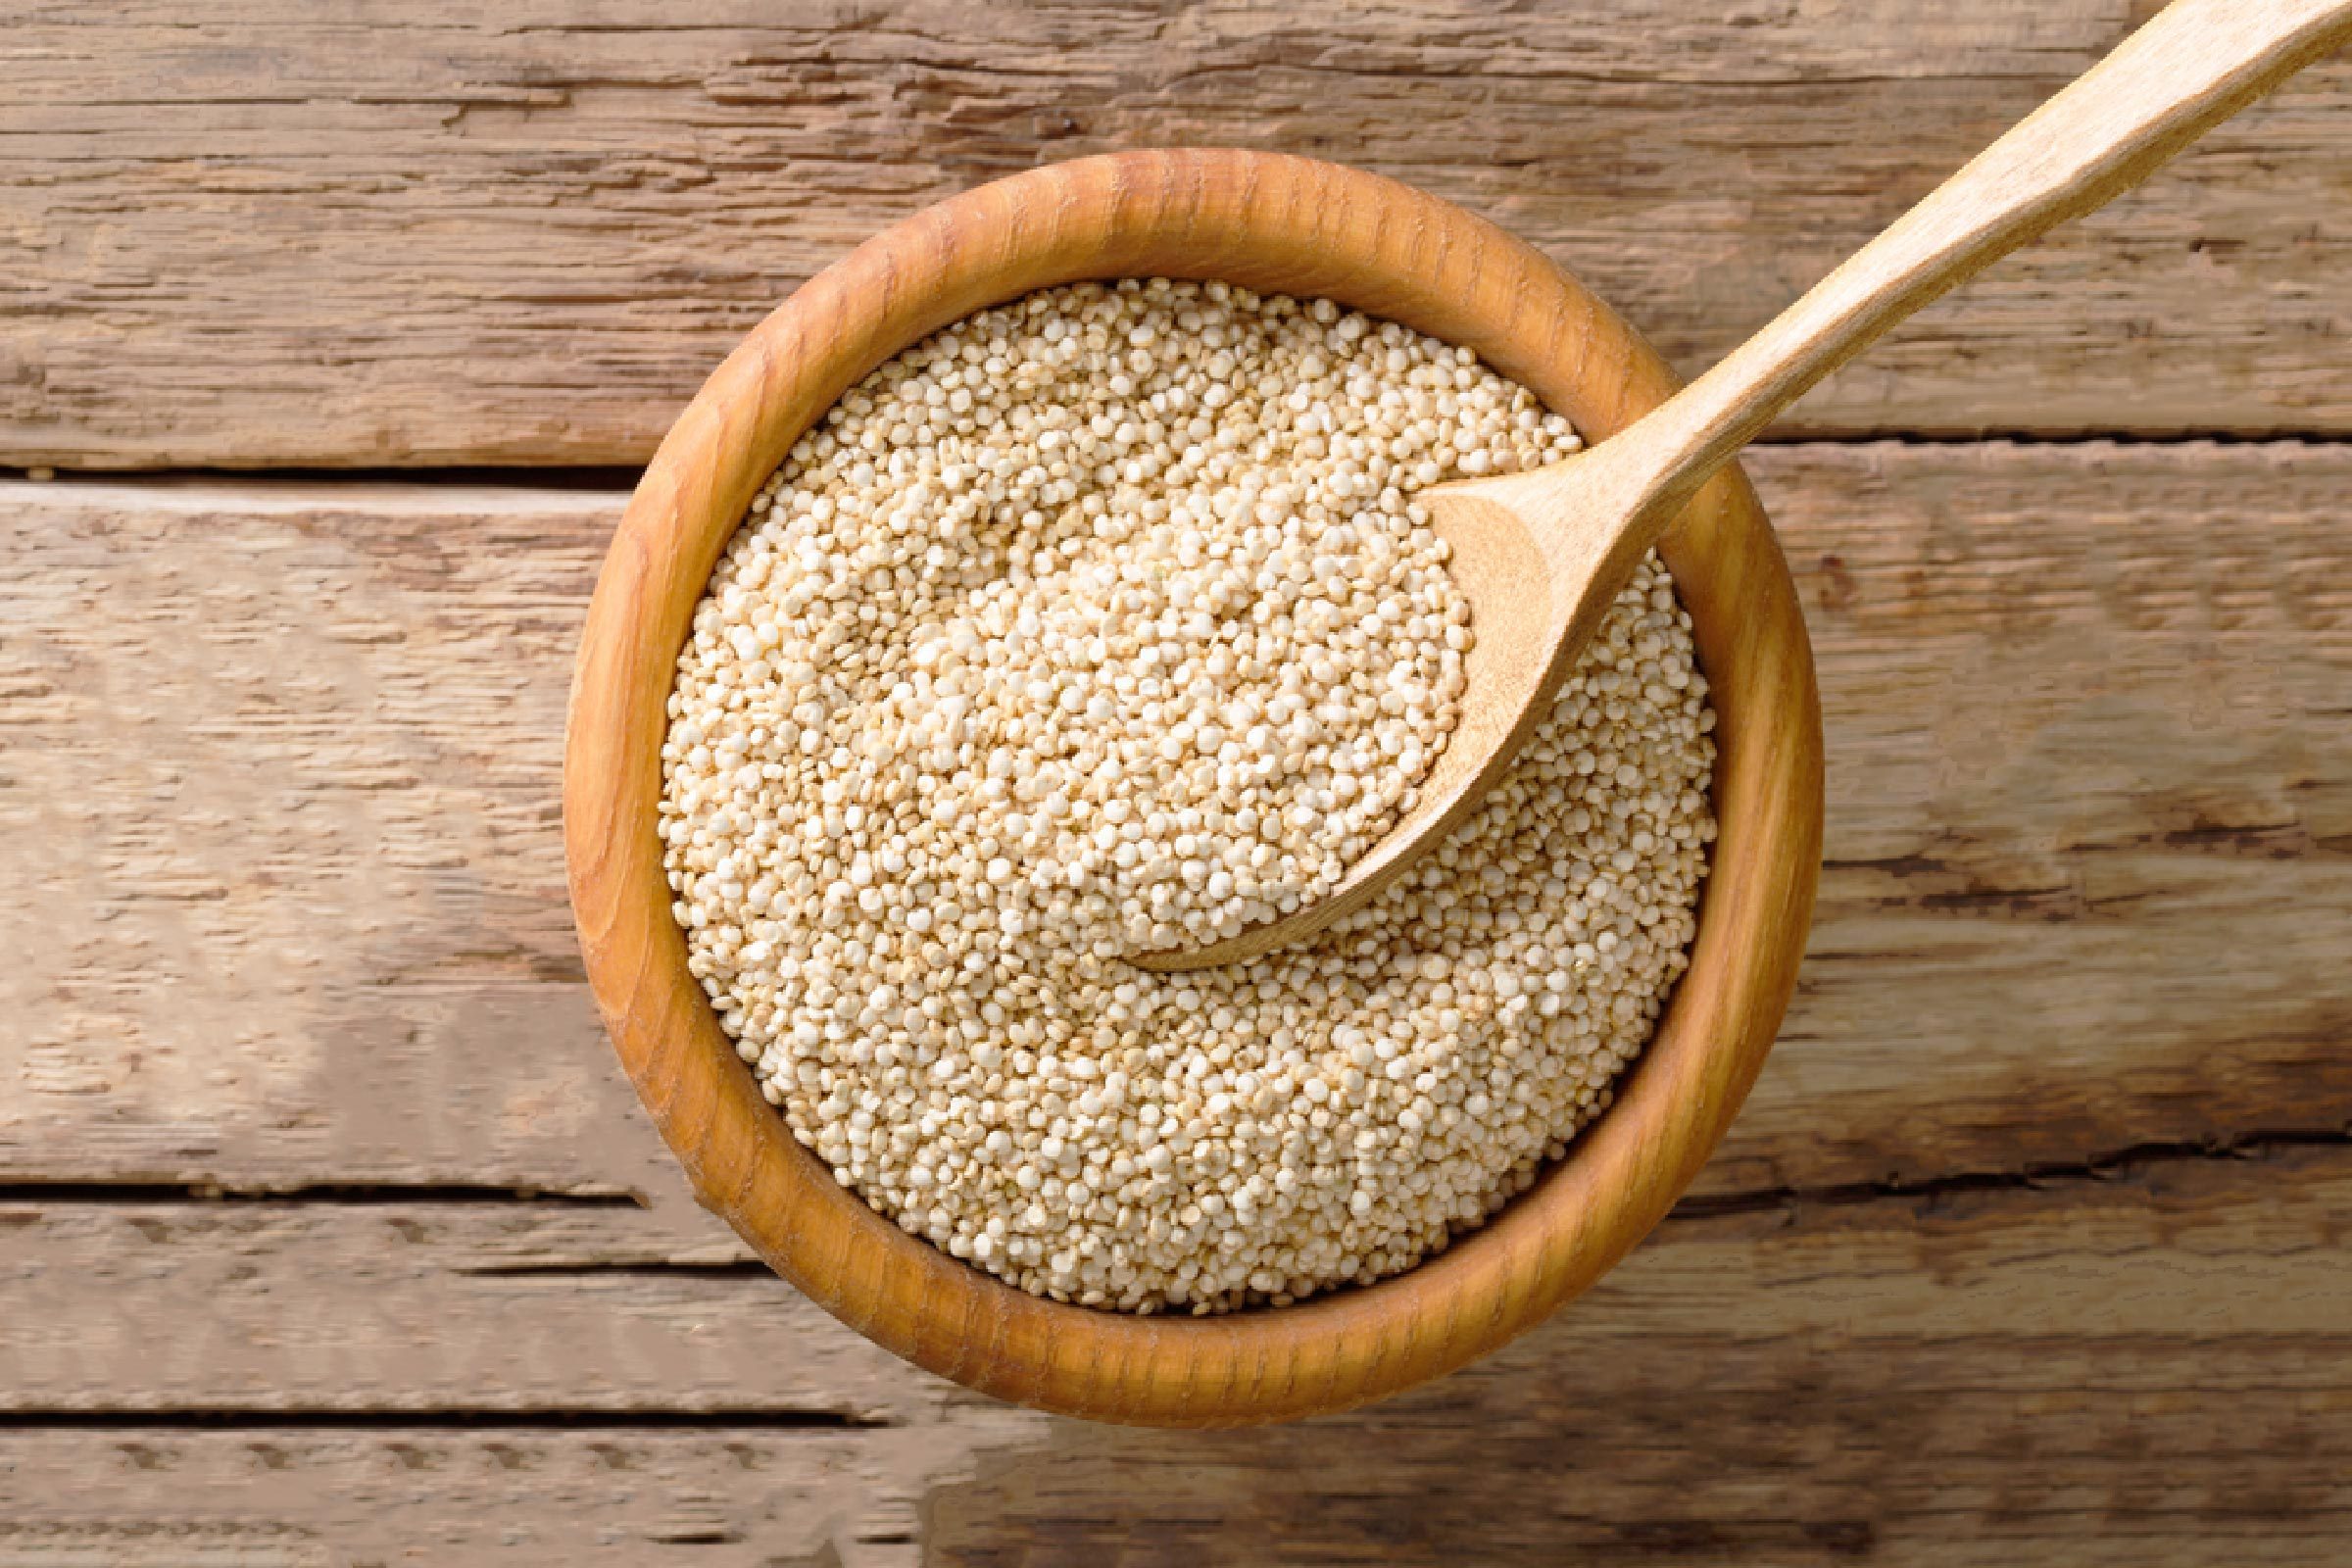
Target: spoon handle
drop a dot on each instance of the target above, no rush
(2195, 64)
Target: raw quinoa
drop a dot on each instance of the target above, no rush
(1106, 621)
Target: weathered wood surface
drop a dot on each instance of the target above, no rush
(782, 1492)
(2149, 1368)
(1975, 1281)
(280, 774)
(313, 1308)
(309, 1496)
(285, 233)
(2140, 1373)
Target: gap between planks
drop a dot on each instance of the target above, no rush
(319, 1194)
(621, 478)
(466, 241)
(2038, 1179)
(454, 1419)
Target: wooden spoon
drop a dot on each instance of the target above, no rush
(1542, 554)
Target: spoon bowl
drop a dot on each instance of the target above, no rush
(1273, 225)
(1535, 558)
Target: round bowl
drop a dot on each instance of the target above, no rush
(1275, 225)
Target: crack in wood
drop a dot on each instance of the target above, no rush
(645, 1268)
(621, 477)
(2031, 1178)
(444, 1418)
(322, 1194)
(2038, 1177)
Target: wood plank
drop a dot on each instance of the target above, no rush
(281, 807)
(2088, 874)
(281, 769)
(433, 235)
(297, 1497)
(2143, 1373)
(299, 1308)
(2148, 1368)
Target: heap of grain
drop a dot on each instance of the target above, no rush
(1105, 621)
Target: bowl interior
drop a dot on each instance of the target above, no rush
(1275, 225)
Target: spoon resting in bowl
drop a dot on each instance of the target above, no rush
(1541, 554)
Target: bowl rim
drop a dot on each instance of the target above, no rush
(1276, 223)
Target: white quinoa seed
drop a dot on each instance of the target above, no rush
(1104, 622)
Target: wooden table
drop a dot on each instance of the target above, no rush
(330, 1231)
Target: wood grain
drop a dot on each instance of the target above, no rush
(2068, 766)
(297, 1495)
(296, 1309)
(432, 235)
(2143, 1373)
(2125, 760)
(2086, 711)
(281, 812)
(2089, 862)
(2152, 1367)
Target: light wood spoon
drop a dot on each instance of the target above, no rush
(1542, 554)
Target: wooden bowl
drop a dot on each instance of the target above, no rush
(1276, 225)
